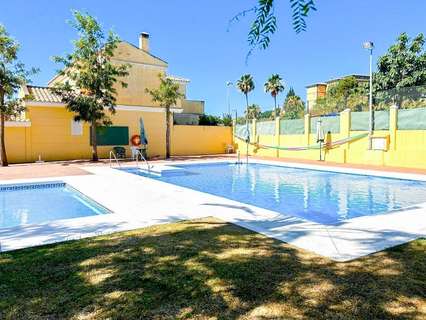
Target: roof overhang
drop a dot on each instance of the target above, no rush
(316, 85)
(178, 79)
(17, 124)
(119, 107)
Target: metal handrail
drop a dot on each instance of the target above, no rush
(138, 152)
(239, 158)
(112, 155)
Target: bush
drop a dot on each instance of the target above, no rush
(226, 120)
(209, 120)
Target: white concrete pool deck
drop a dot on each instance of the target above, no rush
(139, 202)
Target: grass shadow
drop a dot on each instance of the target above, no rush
(207, 269)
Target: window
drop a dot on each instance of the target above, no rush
(76, 128)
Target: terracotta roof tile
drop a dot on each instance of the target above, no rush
(43, 94)
(178, 79)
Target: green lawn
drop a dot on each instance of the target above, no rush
(207, 269)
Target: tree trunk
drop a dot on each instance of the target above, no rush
(275, 103)
(167, 132)
(3, 155)
(94, 142)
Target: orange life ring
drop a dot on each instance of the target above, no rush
(135, 140)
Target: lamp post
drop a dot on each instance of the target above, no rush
(370, 46)
(229, 84)
(236, 114)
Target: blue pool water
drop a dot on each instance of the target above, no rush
(319, 196)
(37, 203)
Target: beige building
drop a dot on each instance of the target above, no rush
(318, 90)
(143, 73)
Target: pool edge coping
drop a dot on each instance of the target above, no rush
(66, 179)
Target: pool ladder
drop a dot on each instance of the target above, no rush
(238, 158)
(113, 156)
(138, 153)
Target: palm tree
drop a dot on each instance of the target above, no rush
(166, 95)
(253, 111)
(274, 86)
(246, 84)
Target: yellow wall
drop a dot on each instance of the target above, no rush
(197, 140)
(143, 74)
(140, 78)
(50, 136)
(16, 142)
(155, 127)
(407, 148)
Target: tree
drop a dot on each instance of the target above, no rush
(265, 22)
(274, 86)
(290, 93)
(166, 95)
(246, 84)
(91, 76)
(253, 112)
(326, 105)
(226, 120)
(12, 76)
(269, 114)
(347, 93)
(209, 120)
(294, 107)
(344, 88)
(403, 66)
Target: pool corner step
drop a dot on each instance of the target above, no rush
(162, 171)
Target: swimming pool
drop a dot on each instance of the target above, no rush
(42, 202)
(320, 196)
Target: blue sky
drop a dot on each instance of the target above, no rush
(192, 37)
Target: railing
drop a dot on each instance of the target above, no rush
(239, 158)
(111, 156)
(149, 167)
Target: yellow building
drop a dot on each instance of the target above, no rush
(313, 92)
(47, 130)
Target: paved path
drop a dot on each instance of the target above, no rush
(139, 202)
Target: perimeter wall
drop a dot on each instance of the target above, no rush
(51, 134)
(403, 131)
